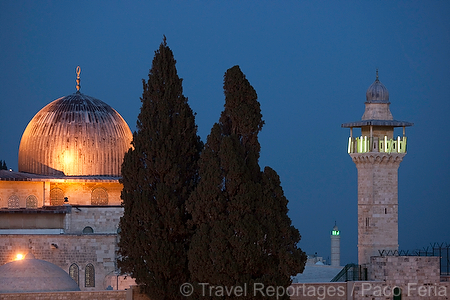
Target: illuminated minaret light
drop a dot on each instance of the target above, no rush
(335, 247)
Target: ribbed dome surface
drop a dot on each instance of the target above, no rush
(34, 275)
(377, 93)
(75, 135)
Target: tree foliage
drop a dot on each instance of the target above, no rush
(158, 174)
(3, 165)
(243, 234)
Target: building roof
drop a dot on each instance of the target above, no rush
(34, 275)
(316, 273)
(75, 135)
(387, 123)
(62, 209)
(6, 175)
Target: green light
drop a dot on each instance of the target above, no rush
(335, 232)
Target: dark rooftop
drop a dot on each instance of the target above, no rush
(387, 123)
(45, 210)
(6, 175)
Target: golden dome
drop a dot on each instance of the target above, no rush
(76, 135)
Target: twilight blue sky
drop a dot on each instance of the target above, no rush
(310, 62)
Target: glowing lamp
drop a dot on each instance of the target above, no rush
(20, 256)
(68, 158)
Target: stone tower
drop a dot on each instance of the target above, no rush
(377, 155)
(335, 247)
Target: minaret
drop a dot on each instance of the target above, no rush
(377, 155)
(335, 247)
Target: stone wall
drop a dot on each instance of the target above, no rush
(103, 295)
(377, 203)
(380, 290)
(373, 290)
(399, 269)
(416, 277)
(102, 219)
(24, 220)
(21, 190)
(352, 290)
(79, 192)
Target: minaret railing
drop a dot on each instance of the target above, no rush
(364, 144)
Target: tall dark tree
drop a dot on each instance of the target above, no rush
(243, 234)
(158, 175)
(3, 165)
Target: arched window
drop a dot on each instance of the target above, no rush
(56, 197)
(13, 202)
(74, 273)
(89, 276)
(99, 197)
(88, 229)
(31, 201)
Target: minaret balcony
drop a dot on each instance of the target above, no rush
(366, 144)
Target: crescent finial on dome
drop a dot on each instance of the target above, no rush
(377, 76)
(78, 78)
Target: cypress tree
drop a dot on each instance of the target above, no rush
(243, 235)
(3, 165)
(158, 175)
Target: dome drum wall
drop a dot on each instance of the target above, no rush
(76, 135)
(375, 111)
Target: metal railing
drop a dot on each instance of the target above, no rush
(351, 272)
(366, 144)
